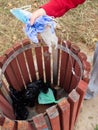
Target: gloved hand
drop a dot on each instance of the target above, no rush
(36, 14)
(38, 27)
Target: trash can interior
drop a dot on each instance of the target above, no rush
(28, 69)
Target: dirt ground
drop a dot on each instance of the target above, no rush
(88, 118)
(80, 26)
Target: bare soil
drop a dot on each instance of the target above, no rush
(88, 118)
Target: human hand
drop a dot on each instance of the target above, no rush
(37, 14)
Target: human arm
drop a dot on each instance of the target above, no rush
(58, 8)
(37, 14)
(55, 8)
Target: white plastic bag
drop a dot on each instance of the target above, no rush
(49, 38)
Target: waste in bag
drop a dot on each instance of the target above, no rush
(47, 98)
(29, 97)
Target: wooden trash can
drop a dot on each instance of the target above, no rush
(65, 68)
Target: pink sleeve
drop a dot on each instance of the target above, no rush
(57, 8)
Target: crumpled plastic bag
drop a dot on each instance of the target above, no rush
(47, 98)
(49, 38)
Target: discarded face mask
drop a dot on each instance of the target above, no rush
(20, 14)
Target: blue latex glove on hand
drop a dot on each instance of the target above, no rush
(38, 27)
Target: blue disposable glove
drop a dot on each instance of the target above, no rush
(38, 27)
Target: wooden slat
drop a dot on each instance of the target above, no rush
(22, 63)
(64, 58)
(6, 108)
(73, 99)
(5, 92)
(87, 68)
(9, 74)
(30, 60)
(39, 122)
(81, 89)
(75, 78)
(75, 49)
(53, 115)
(15, 126)
(30, 126)
(5, 86)
(8, 125)
(82, 56)
(59, 63)
(71, 63)
(55, 55)
(15, 69)
(39, 62)
(1, 120)
(24, 125)
(63, 66)
(20, 125)
(47, 63)
(64, 108)
(47, 121)
(55, 65)
(68, 75)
